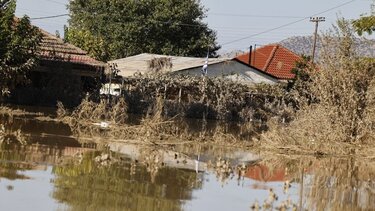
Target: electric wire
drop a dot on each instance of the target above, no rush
(288, 24)
(49, 17)
(255, 16)
(225, 14)
(56, 2)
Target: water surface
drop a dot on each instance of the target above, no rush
(44, 167)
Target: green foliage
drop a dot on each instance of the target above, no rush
(94, 186)
(365, 24)
(302, 69)
(18, 44)
(115, 29)
(299, 87)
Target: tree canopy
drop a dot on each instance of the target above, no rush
(112, 29)
(18, 44)
(366, 23)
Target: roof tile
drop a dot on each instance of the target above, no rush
(55, 49)
(273, 59)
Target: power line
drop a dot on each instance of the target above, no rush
(224, 14)
(34, 11)
(288, 24)
(255, 16)
(56, 2)
(233, 41)
(49, 17)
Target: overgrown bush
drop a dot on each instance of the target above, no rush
(200, 97)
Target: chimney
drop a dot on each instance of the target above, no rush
(251, 49)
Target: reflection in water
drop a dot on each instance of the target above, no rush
(328, 183)
(91, 185)
(341, 184)
(130, 177)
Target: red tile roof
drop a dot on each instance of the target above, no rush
(53, 48)
(273, 59)
(264, 174)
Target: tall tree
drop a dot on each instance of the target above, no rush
(111, 29)
(18, 44)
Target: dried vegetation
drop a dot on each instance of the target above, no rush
(8, 136)
(337, 114)
(165, 101)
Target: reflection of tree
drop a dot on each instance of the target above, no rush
(15, 157)
(342, 184)
(87, 185)
(11, 170)
(8, 169)
(9, 155)
(330, 183)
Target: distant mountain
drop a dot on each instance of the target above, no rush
(232, 54)
(303, 45)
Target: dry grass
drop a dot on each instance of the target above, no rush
(91, 112)
(160, 64)
(8, 136)
(8, 111)
(154, 128)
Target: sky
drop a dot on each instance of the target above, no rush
(238, 23)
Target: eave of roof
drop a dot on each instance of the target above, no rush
(53, 48)
(139, 63)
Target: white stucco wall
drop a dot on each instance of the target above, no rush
(233, 70)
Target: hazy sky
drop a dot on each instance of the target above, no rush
(234, 19)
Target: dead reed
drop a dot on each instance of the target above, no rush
(8, 136)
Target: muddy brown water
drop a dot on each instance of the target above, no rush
(56, 171)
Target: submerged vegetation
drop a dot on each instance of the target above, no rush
(165, 104)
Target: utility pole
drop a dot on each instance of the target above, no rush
(316, 20)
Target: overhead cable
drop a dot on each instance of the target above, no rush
(288, 24)
(49, 17)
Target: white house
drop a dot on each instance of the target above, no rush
(217, 67)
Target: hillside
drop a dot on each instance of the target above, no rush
(303, 45)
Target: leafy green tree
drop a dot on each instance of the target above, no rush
(299, 88)
(110, 29)
(366, 23)
(18, 45)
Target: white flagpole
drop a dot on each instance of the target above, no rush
(205, 66)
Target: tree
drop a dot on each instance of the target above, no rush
(18, 45)
(110, 29)
(366, 23)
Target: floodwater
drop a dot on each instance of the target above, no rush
(44, 167)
